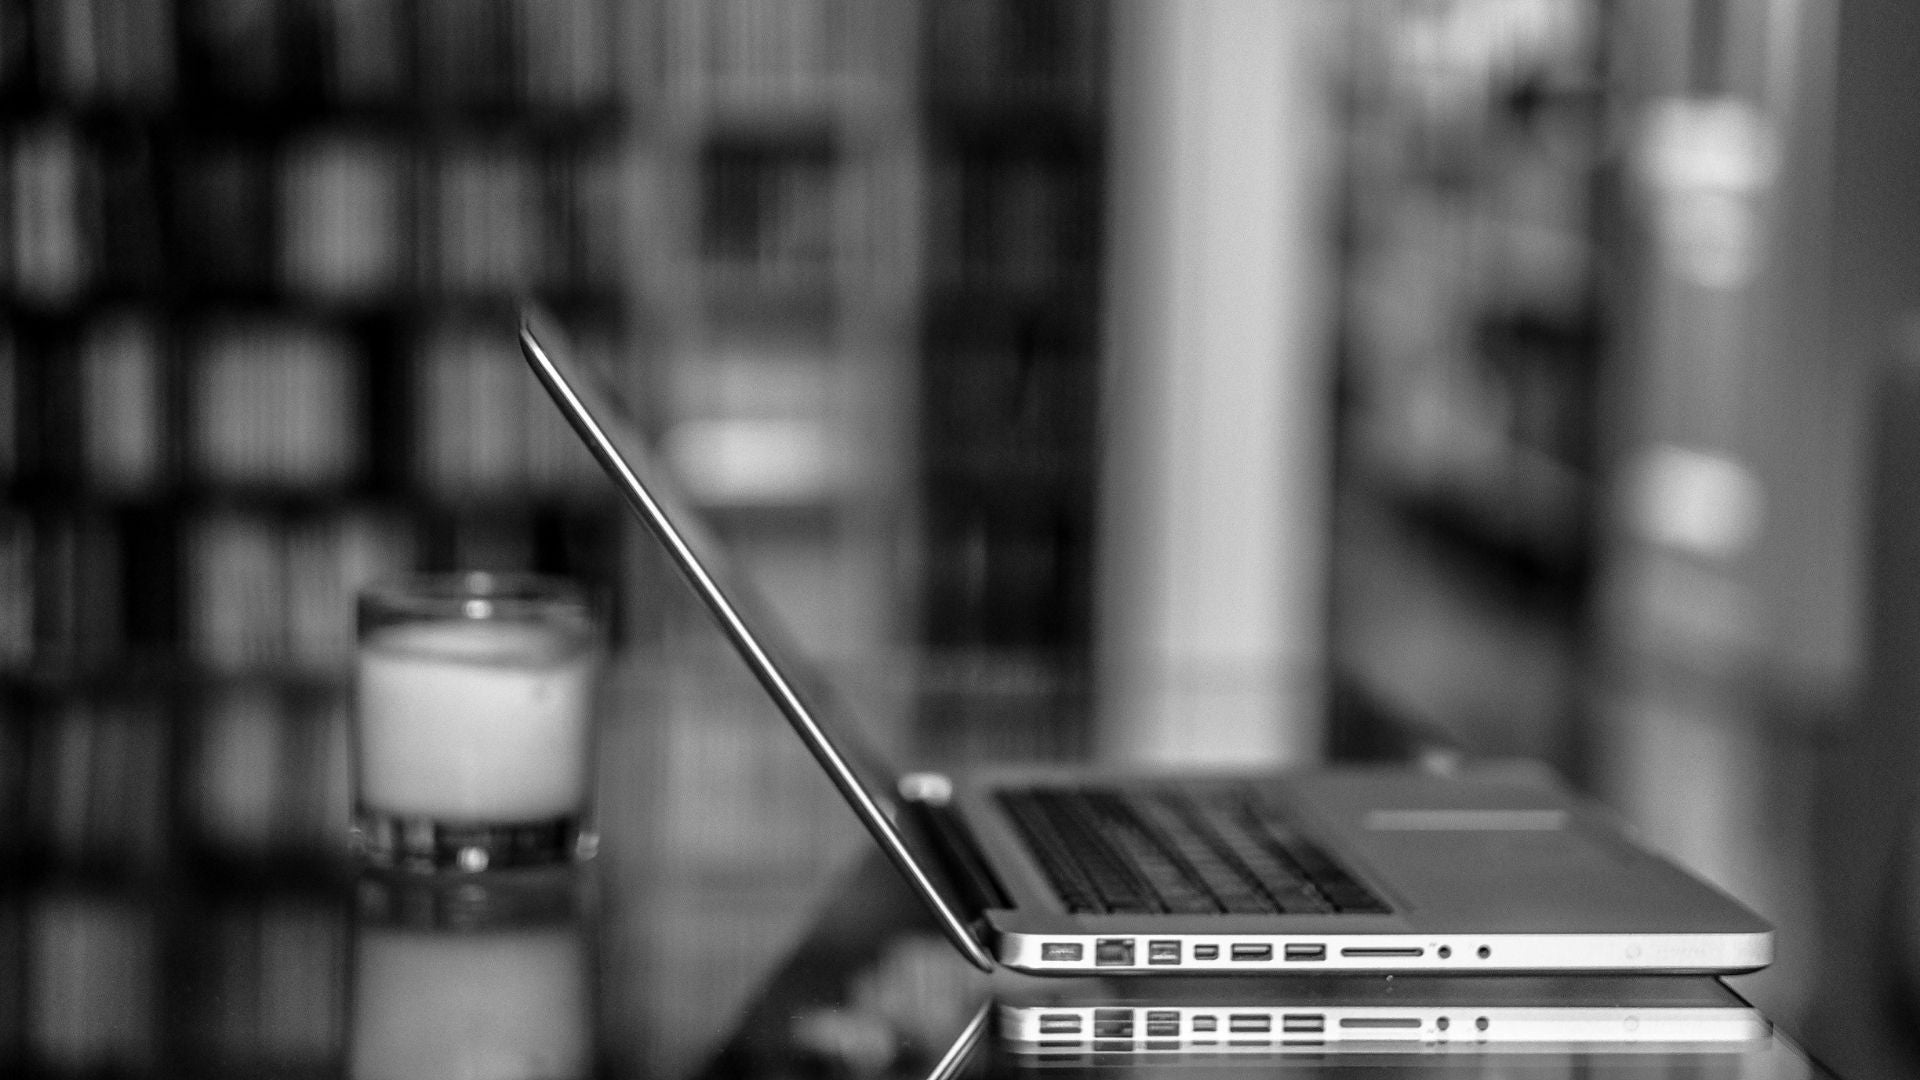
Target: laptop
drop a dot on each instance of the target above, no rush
(1072, 871)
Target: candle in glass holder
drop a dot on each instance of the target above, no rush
(473, 721)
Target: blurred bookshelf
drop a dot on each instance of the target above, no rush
(1475, 292)
(1014, 119)
(869, 281)
(256, 308)
(258, 264)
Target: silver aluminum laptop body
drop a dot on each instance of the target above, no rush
(1481, 870)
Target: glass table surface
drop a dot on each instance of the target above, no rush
(526, 975)
(871, 990)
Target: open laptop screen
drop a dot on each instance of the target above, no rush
(857, 769)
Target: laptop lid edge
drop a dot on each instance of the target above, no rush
(644, 501)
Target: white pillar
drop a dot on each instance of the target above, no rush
(1214, 522)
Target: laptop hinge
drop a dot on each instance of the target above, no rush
(959, 856)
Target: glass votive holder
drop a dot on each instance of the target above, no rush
(475, 702)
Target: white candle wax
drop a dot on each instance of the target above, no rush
(474, 721)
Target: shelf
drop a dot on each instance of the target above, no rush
(225, 876)
(404, 306)
(1525, 508)
(262, 281)
(253, 120)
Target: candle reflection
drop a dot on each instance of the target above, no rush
(479, 978)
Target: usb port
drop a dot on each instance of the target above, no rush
(1303, 951)
(1206, 952)
(1247, 1022)
(1205, 1023)
(1113, 1023)
(1253, 952)
(1163, 1024)
(1113, 952)
(1163, 952)
(1303, 1022)
(1059, 1024)
(1061, 952)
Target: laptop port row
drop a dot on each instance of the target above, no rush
(1122, 1023)
(1165, 1024)
(1120, 952)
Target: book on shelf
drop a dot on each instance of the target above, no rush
(123, 430)
(469, 422)
(15, 833)
(1015, 221)
(16, 36)
(107, 50)
(92, 974)
(238, 771)
(222, 215)
(269, 772)
(99, 781)
(77, 577)
(484, 539)
(491, 232)
(484, 427)
(983, 703)
(17, 588)
(330, 557)
(591, 213)
(52, 257)
(265, 592)
(1008, 399)
(1006, 574)
(764, 208)
(733, 796)
(466, 51)
(234, 617)
(10, 404)
(524, 53)
(1017, 53)
(366, 51)
(240, 50)
(129, 253)
(276, 402)
(302, 967)
(272, 983)
(344, 216)
(775, 54)
(566, 52)
(81, 210)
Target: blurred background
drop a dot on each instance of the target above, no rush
(1224, 382)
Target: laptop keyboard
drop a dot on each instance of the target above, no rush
(1110, 851)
